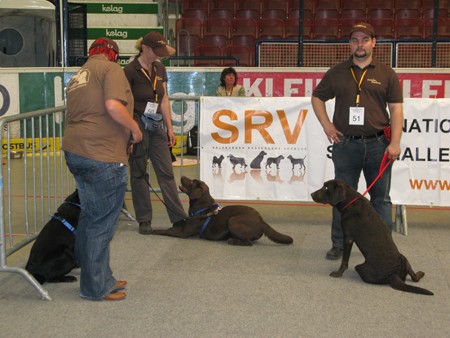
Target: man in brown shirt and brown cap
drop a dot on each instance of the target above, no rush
(368, 100)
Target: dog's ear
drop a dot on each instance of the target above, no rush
(337, 192)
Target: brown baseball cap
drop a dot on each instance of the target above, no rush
(363, 27)
(105, 43)
(158, 44)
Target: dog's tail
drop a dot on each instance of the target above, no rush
(398, 284)
(275, 236)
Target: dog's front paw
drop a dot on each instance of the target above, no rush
(336, 274)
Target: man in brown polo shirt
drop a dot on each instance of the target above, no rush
(368, 99)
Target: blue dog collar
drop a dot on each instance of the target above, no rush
(65, 222)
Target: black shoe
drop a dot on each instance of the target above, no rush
(334, 253)
(145, 228)
(180, 223)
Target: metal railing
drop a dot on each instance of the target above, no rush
(34, 181)
(34, 178)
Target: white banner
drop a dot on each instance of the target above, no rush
(275, 149)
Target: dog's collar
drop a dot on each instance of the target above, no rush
(208, 216)
(351, 202)
(65, 222)
(213, 212)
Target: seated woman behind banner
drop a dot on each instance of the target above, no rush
(228, 84)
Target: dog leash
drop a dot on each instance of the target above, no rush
(208, 216)
(383, 166)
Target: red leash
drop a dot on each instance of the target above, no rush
(383, 167)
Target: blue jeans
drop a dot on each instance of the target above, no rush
(350, 157)
(101, 187)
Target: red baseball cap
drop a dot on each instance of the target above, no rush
(105, 43)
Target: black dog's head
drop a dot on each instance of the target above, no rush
(332, 192)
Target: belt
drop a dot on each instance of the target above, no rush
(363, 137)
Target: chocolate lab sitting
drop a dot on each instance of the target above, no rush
(361, 224)
(52, 255)
(239, 224)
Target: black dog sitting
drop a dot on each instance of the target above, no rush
(52, 255)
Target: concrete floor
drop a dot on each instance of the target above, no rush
(198, 288)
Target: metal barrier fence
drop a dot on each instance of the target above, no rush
(34, 178)
(34, 181)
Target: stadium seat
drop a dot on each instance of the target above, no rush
(247, 13)
(407, 4)
(221, 4)
(221, 13)
(326, 13)
(244, 27)
(195, 13)
(292, 29)
(215, 40)
(307, 4)
(380, 4)
(244, 54)
(274, 13)
(248, 4)
(205, 51)
(354, 4)
(358, 14)
(380, 13)
(327, 4)
(346, 25)
(326, 29)
(443, 29)
(271, 29)
(192, 25)
(216, 26)
(243, 40)
(408, 29)
(196, 4)
(295, 13)
(186, 44)
(407, 13)
(428, 13)
(442, 4)
(384, 28)
(275, 4)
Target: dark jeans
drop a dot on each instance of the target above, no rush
(350, 158)
(101, 187)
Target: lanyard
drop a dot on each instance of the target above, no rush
(358, 83)
(153, 83)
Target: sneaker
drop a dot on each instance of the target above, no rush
(334, 253)
(145, 228)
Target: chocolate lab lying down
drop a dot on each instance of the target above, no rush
(361, 224)
(239, 224)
